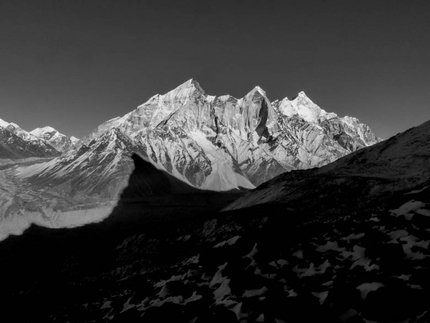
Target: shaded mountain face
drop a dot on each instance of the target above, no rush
(348, 242)
(16, 143)
(147, 180)
(57, 140)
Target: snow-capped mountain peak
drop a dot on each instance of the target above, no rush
(41, 131)
(3, 123)
(56, 139)
(74, 140)
(302, 94)
(256, 93)
(257, 88)
(185, 90)
(196, 84)
(303, 107)
(17, 130)
(14, 125)
(17, 143)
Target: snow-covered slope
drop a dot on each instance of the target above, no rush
(16, 143)
(98, 170)
(56, 139)
(76, 188)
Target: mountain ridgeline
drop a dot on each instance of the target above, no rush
(16, 143)
(222, 143)
(57, 140)
(215, 143)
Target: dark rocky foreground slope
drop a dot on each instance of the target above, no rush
(346, 243)
(52, 272)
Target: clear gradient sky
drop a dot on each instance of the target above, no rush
(74, 64)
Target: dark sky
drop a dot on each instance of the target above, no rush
(74, 64)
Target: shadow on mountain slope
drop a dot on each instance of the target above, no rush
(156, 196)
(59, 266)
(150, 196)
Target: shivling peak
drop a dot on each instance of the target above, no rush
(182, 92)
(188, 87)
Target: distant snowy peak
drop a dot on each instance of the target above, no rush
(17, 143)
(56, 139)
(74, 140)
(303, 107)
(3, 123)
(39, 132)
(17, 130)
